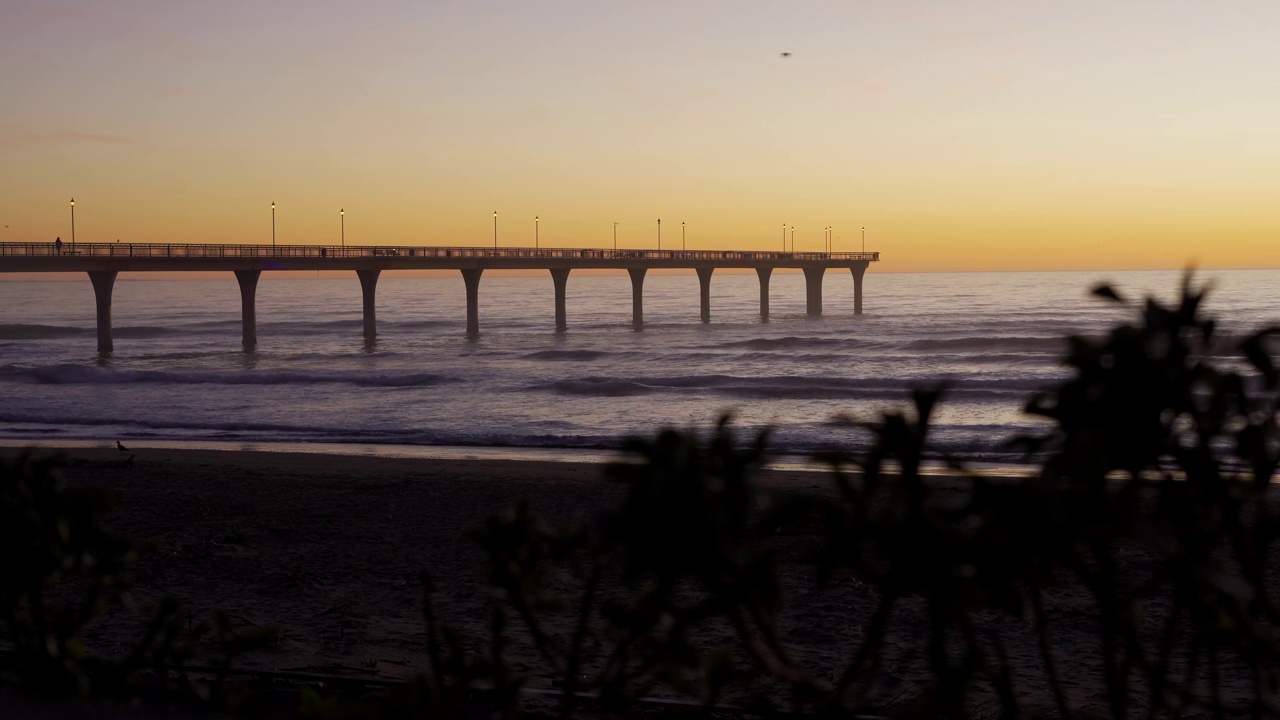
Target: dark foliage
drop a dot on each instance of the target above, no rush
(60, 569)
(1153, 447)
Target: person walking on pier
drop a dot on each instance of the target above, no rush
(57, 246)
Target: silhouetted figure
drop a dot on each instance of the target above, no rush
(120, 446)
(57, 245)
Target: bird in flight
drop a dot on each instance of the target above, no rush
(121, 447)
(785, 54)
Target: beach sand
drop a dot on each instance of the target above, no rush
(329, 550)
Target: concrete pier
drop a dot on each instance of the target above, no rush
(103, 261)
(369, 288)
(471, 276)
(858, 272)
(104, 282)
(560, 276)
(813, 290)
(248, 280)
(637, 297)
(704, 291)
(765, 273)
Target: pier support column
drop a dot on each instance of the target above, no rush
(369, 287)
(813, 289)
(858, 271)
(103, 283)
(765, 273)
(248, 280)
(560, 276)
(472, 278)
(704, 280)
(637, 296)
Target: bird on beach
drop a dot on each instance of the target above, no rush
(120, 446)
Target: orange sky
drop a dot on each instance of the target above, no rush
(977, 135)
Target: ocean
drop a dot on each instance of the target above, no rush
(179, 376)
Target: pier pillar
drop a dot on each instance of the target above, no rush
(472, 278)
(858, 271)
(103, 283)
(560, 276)
(704, 281)
(764, 273)
(813, 289)
(369, 288)
(248, 280)
(637, 296)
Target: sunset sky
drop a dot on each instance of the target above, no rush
(1020, 134)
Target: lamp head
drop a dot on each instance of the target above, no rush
(273, 205)
(73, 202)
(342, 212)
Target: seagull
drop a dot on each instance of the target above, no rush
(785, 54)
(120, 446)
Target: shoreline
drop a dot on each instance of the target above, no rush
(781, 462)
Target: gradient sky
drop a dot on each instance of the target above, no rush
(963, 135)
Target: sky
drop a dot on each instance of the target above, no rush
(974, 135)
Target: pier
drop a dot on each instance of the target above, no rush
(104, 261)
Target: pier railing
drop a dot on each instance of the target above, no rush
(184, 250)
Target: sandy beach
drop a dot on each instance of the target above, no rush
(329, 550)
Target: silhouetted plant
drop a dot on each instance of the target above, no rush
(1154, 445)
(60, 569)
(677, 553)
(53, 540)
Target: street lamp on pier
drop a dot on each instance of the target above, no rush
(659, 233)
(273, 223)
(342, 223)
(73, 225)
(864, 239)
(536, 244)
(682, 243)
(615, 236)
(793, 238)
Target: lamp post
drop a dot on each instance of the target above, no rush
(536, 244)
(73, 224)
(784, 237)
(342, 220)
(793, 238)
(659, 233)
(495, 229)
(682, 243)
(273, 223)
(864, 239)
(615, 236)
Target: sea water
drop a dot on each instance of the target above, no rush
(179, 375)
